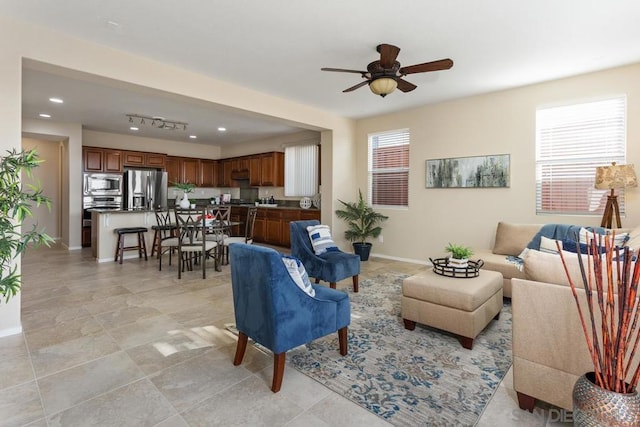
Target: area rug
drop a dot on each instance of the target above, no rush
(409, 378)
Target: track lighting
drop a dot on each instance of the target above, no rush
(158, 122)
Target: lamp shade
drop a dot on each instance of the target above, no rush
(615, 176)
(383, 86)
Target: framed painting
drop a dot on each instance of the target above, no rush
(468, 172)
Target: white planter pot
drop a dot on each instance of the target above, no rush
(185, 203)
(458, 263)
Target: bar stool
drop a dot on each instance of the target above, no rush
(141, 247)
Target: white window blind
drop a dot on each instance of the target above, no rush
(389, 168)
(301, 170)
(570, 142)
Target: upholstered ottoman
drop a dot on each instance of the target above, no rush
(461, 306)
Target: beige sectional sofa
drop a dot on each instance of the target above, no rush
(510, 239)
(549, 348)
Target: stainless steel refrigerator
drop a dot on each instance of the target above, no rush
(145, 189)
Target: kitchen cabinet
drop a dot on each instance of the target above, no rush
(272, 169)
(272, 225)
(173, 168)
(191, 170)
(238, 214)
(224, 173)
(101, 160)
(143, 159)
(208, 173)
(254, 171)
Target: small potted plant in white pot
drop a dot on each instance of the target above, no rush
(186, 188)
(459, 255)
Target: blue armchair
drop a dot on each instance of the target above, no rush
(331, 266)
(274, 312)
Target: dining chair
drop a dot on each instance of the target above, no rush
(248, 232)
(165, 236)
(192, 246)
(222, 216)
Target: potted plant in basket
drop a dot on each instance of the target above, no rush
(186, 188)
(362, 221)
(15, 206)
(608, 395)
(459, 255)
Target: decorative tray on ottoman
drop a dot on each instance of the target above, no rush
(442, 267)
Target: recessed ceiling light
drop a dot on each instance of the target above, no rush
(44, 115)
(193, 136)
(221, 129)
(133, 128)
(56, 100)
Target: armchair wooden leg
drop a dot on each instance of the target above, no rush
(332, 285)
(240, 348)
(355, 283)
(317, 280)
(342, 338)
(278, 371)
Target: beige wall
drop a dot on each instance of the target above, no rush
(134, 143)
(497, 123)
(32, 43)
(47, 175)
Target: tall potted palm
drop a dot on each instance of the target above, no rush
(362, 222)
(15, 205)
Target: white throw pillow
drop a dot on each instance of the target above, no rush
(320, 236)
(298, 274)
(549, 245)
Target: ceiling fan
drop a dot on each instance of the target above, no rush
(385, 75)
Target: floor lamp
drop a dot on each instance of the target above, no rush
(610, 178)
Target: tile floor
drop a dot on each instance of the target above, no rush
(126, 345)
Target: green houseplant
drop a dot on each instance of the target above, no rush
(363, 223)
(459, 254)
(15, 205)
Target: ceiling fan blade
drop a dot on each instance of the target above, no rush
(388, 54)
(443, 64)
(341, 70)
(405, 86)
(359, 85)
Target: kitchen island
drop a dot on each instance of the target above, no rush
(271, 226)
(104, 239)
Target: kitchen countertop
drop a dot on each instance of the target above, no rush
(128, 211)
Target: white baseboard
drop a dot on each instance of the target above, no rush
(10, 331)
(412, 261)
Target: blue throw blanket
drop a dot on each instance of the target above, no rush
(560, 232)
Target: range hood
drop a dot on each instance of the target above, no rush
(240, 174)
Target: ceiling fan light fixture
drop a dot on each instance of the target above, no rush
(383, 86)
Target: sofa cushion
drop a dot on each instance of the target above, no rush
(511, 239)
(500, 264)
(548, 268)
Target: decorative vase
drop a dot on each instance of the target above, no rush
(185, 203)
(596, 406)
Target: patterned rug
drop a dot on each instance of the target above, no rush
(409, 378)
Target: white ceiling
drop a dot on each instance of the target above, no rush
(279, 46)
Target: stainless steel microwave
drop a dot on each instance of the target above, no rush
(102, 184)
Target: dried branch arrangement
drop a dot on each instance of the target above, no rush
(613, 341)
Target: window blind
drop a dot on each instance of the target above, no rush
(389, 168)
(301, 170)
(571, 141)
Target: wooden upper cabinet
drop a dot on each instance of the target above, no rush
(142, 159)
(224, 173)
(173, 168)
(272, 169)
(255, 177)
(209, 173)
(191, 170)
(101, 160)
